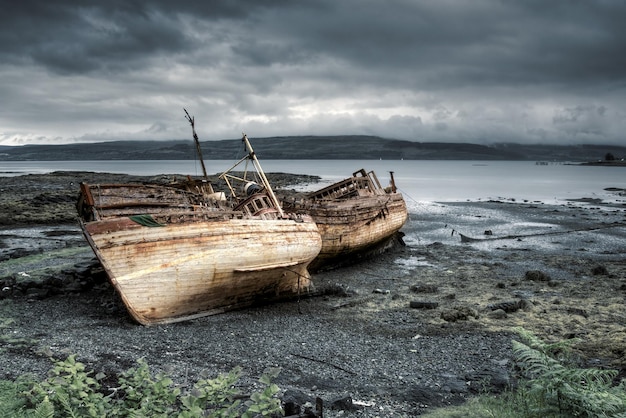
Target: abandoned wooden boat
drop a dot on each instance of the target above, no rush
(355, 217)
(177, 253)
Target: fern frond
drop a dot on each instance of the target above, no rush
(597, 403)
(64, 400)
(592, 378)
(10, 400)
(531, 339)
(564, 346)
(560, 389)
(45, 409)
(533, 361)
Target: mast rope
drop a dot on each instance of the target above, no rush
(447, 225)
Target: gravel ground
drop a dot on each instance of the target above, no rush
(359, 338)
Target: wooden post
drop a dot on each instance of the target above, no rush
(393, 183)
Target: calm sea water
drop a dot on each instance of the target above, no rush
(418, 180)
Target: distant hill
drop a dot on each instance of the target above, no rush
(309, 147)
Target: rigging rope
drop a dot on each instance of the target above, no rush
(454, 230)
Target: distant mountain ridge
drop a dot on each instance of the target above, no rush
(309, 147)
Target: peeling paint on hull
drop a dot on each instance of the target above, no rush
(352, 227)
(354, 216)
(189, 270)
(174, 255)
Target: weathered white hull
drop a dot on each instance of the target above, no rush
(187, 270)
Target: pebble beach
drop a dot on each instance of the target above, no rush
(427, 324)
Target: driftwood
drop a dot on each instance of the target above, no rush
(465, 238)
(351, 303)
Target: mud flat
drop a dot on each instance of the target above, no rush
(429, 323)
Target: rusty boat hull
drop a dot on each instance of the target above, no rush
(172, 258)
(356, 218)
(358, 228)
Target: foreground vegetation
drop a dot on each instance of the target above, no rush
(71, 391)
(550, 385)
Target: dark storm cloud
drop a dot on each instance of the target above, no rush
(78, 37)
(461, 43)
(444, 70)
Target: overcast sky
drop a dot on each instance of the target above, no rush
(480, 71)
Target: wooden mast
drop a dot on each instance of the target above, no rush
(261, 174)
(195, 138)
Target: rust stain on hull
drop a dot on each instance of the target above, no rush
(353, 216)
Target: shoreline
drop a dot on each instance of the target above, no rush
(361, 338)
(621, 163)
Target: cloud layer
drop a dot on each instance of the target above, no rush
(483, 71)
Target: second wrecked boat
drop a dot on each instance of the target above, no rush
(355, 216)
(175, 253)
